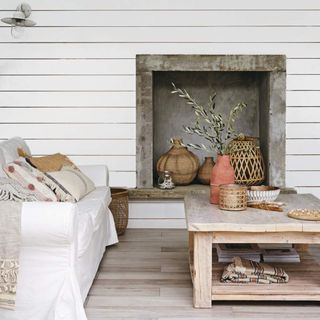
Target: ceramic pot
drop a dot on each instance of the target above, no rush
(222, 173)
(182, 163)
(204, 173)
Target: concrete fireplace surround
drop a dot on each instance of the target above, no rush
(259, 78)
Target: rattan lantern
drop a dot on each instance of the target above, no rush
(247, 161)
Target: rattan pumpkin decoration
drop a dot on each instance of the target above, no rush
(182, 163)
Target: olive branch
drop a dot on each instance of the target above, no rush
(209, 124)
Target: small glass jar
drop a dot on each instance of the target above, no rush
(165, 181)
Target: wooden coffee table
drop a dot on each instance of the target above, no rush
(207, 224)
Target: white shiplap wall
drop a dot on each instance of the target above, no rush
(68, 84)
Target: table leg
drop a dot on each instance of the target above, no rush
(191, 242)
(202, 259)
(191, 254)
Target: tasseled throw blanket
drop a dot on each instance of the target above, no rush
(247, 271)
(10, 225)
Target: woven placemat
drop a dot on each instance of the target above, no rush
(305, 214)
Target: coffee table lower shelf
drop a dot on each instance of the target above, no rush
(303, 285)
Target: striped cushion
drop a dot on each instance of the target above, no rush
(73, 181)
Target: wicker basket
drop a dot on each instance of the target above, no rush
(233, 197)
(120, 209)
(247, 161)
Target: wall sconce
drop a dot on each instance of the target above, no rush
(20, 20)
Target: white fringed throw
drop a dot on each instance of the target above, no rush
(10, 226)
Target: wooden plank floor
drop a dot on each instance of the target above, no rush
(146, 276)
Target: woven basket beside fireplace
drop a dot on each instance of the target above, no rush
(120, 209)
(247, 161)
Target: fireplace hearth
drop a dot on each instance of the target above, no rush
(258, 80)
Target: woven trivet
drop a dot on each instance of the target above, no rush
(305, 214)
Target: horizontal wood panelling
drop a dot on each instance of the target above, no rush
(303, 162)
(69, 131)
(122, 179)
(68, 99)
(166, 4)
(114, 66)
(301, 130)
(166, 34)
(303, 66)
(303, 98)
(13, 50)
(114, 99)
(114, 163)
(303, 178)
(159, 209)
(303, 114)
(84, 147)
(67, 115)
(67, 66)
(67, 83)
(113, 83)
(303, 82)
(303, 146)
(174, 18)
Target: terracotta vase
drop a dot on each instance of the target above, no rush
(204, 173)
(182, 163)
(222, 173)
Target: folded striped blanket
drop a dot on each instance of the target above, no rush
(10, 226)
(247, 271)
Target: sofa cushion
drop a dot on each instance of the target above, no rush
(20, 172)
(61, 194)
(10, 148)
(73, 180)
(50, 163)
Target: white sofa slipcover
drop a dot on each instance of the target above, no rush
(61, 247)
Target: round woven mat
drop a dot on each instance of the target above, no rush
(304, 214)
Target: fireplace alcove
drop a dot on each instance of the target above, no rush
(258, 80)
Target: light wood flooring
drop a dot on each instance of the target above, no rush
(146, 276)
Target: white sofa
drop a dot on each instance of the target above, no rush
(61, 247)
